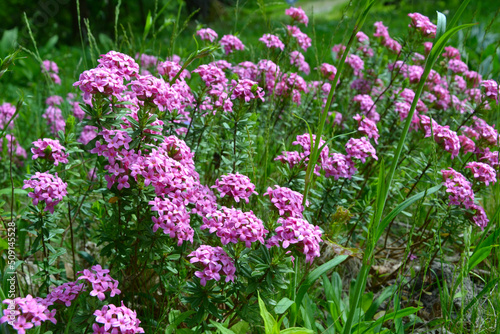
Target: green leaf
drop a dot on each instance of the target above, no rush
(241, 327)
(387, 293)
(311, 278)
(221, 328)
(283, 305)
(147, 27)
(270, 324)
(8, 191)
(483, 250)
(53, 257)
(392, 316)
(441, 25)
(402, 206)
(459, 13)
(296, 330)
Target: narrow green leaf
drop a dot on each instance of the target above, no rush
(393, 316)
(459, 13)
(402, 206)
(147, 27)
(221, 328)
(441, 25)
(296, 330)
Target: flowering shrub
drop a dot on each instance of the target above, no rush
(172, 177)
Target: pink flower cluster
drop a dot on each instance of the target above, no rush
(238, 186)
(47, 188)
(155, 90)
(297, 59)
(298, 231)
(367, 106)
(328, 71)
(231, 43)
(27, 313)
(287, 201)
(482, 172)
(63, 294)
(247, 90)
(13, 147)
(52, 70)
(119, 63)
(49, 149)
(459, 188)
(54, 118)
(173, 219)
(297, 14)
(272, 41)
(234, 225)
(422, 24)
(7, 111)
(214, 260)
(207, 34)
(386, 40)
(339, 166)
(101, 282)
(368, 127)
(461, 192)
(302, 39)
(360, 149)
(491, 89)
(116, 320)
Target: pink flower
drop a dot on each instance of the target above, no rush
(287, 201)
(356, 63)
(482, 172)
(479, 218)
(238, 186)
(297, 59)
(451, 53)
(360, 149)
(119, 63)
(233, 225)
(207, 34)
(422, 24)
(100, 80)
(457, 66)
(491, 89)
(458, 187)
(302, 39)
(101, 282)
(299, 232)
(362, 37)
(328, 71)
(339, 166)
(246, 89)
(117, 320)
(47, 188)
(297, 14)
(7, 111)
(272, 41)
(173, 219)
(49, 149)
(448, 139)
(214, 260)
(231, 43)
(368, 127)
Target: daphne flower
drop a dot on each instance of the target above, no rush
(207, 34)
